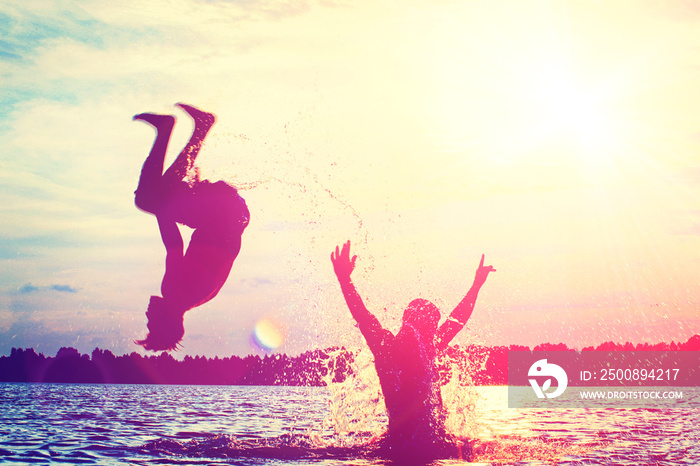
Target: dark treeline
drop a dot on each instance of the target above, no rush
(486, 365)
(69, 366)
(489, 365)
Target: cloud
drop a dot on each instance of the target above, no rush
(257, 281)
(30, 246)
(182, 17)
(8, 55)
(28, 288)
(63, 288)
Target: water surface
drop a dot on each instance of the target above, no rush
(178, 424)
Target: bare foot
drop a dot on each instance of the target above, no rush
(159, 122)
(202, 119)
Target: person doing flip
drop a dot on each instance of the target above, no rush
(215, 211)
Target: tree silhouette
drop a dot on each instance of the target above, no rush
(484, 365)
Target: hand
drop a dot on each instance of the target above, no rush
(482, 273)
(342, 264)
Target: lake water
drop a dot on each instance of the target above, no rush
(167, 424)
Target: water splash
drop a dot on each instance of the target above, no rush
(459, 395)
(357, 411)
(514, 448)
(286, 447)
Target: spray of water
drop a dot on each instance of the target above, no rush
(459, 395)
(357, 411)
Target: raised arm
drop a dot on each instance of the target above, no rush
(369, 325)
(460, 315)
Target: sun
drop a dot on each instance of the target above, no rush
(523, 98)
(558, 106)
(540, 110)
(566, 106)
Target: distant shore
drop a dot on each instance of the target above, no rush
(485, 365)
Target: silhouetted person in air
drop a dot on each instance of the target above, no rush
(215, 211)
(406, 364)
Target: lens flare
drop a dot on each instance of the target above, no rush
(269, 334)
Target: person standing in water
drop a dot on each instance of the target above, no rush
(406, 364)
(216, 212)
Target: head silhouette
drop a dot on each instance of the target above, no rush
(165, 326)
(422, 316)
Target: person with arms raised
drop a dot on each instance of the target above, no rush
(406, 364)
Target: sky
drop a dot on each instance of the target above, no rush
(559, 138)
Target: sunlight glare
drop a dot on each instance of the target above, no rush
(561, 105)
(534, 103)
(269, 334)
